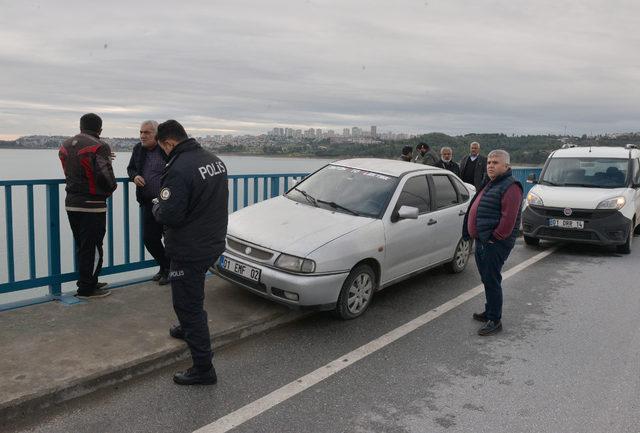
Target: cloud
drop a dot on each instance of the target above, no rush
(246, 66)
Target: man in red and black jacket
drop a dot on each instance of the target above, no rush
(86, 161)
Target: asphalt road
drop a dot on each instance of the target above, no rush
(568, 360)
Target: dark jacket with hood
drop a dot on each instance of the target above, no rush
(86, 162)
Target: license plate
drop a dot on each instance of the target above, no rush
(566, 224)
(239, 268)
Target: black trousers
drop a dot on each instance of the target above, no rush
(152, 236)
(88, 230)
(187, 290)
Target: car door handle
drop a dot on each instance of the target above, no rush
(461, 213)
(431, 222)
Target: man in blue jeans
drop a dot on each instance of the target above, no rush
(492, 220)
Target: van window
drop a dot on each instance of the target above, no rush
(586, 172)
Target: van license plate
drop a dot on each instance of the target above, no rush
(239, 268)
(566, 224)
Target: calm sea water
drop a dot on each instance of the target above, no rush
(44, 164)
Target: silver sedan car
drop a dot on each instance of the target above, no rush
(351, 228)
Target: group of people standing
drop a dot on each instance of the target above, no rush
(472, 168)
(182, 201)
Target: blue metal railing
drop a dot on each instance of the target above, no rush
(243, 191)
(118, 218)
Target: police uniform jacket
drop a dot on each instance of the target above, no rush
(193, 203)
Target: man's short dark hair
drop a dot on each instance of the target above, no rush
(422, 145)
(171, 129)
(91, 122)
(406, 150)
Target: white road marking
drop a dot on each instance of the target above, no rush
(251, 410)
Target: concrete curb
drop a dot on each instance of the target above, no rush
(114, 374)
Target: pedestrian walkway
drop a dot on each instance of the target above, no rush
(54, 352)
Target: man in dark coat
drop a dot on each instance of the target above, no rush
(447, 162)
(473, 167)
(426, 155)
(192, 205)
(145, 169)
(86, 161)
(492, 220)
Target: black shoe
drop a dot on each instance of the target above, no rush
(164, 278)
(176, 332)
(97, 293)
(157, 276)
(480, 317)
(490, 328)
(195, 377)
(98, 285)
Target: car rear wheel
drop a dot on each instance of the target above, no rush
(356, 292)
(626, 247)
(534, 242)
(461, 257)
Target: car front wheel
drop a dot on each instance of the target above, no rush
(356, 292)
(461, 257)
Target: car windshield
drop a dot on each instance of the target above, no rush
(586, 172)
(346, 190)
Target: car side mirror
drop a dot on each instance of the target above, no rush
(532, 178)
(408, 212)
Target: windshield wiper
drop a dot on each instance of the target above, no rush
(307, 196)
(590, 185)
(548, 182)
(338, 206)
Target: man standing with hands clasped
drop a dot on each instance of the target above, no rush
(492, 220)
(192, 205)
(145, 170)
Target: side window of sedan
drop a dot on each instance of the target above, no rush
(415, 193)
(445, 193)
(462, 190)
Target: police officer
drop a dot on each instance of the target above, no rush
(192, 205)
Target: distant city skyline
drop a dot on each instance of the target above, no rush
(457, 67)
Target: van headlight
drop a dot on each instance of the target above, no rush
(295, 264)
(534, 199)
(612, 203)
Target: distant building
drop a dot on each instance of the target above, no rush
(346, 132)
(374, 131)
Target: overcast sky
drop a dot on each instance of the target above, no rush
(245, 66)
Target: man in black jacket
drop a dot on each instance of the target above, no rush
(145, 169)
(447, 162)
(192, 205)
(473, 167)
(86, 161)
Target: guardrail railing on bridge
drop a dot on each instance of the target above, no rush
(44, 255)
(39, 243)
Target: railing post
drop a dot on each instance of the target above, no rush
(125, 217)
(53, 239)
(9, 232)
(275, 186)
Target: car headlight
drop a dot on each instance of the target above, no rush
(295, 264)
(612, 203)
(533, 199)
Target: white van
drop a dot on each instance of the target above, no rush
(586, 194)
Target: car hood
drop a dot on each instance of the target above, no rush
(287, 226)
(575, 197)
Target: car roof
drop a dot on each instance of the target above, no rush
(389, 167)
(594, 152)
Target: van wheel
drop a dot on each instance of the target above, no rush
(460, 258)
(534, 242)
(626, 247)
(357, 292)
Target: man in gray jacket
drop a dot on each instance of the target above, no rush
(426, 155)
